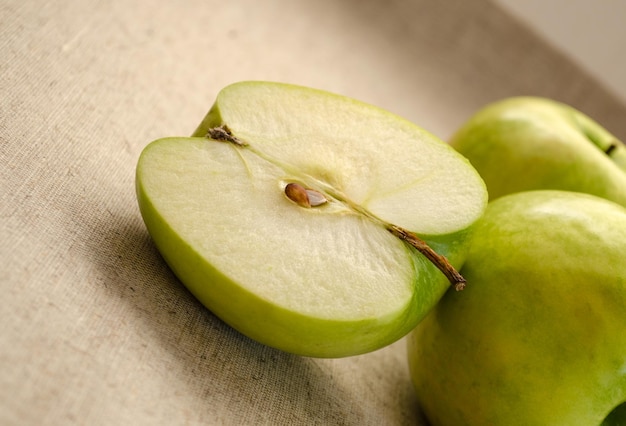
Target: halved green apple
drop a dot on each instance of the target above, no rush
(308, 221)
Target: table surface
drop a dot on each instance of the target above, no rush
(95, 329)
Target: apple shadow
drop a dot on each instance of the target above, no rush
(227, 372)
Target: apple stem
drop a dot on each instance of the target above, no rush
(610, 149)
(455, 278)
(224, 134)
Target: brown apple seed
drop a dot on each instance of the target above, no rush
(304, 197)
(298, 194)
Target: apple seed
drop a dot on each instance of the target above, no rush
(304, 197)
(297, 194)
(316, 198)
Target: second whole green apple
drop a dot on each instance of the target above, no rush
(526, 143)
(538, 337)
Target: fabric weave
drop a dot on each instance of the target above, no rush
(94, 328)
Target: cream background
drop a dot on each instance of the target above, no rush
(591, 33)
(94, 329)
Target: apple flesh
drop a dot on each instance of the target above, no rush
(291, 213)
(526, 143)
(538, 337)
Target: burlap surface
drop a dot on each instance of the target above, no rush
(94, 328)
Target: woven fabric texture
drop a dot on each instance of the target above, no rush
(94, 328)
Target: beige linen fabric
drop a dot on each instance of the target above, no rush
(94, 328)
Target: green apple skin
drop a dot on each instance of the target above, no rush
(526, 143)
(262, 318)
(537, 337)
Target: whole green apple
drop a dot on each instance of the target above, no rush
(526, 143)
(539, 337)
(308, 221)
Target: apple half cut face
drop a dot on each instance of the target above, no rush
(293, 214)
